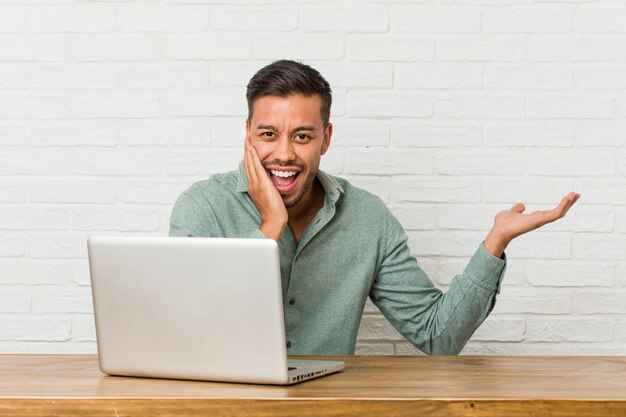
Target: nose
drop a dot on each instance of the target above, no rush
(283, 151)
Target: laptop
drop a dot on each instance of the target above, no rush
(193, 308)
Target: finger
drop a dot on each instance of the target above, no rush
(256, 165)
(250, 172)
(518, 208)
(574, 198)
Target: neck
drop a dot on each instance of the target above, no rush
(309, 204)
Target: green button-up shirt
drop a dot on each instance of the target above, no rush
(353, 248)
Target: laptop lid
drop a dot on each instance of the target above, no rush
(191, 308)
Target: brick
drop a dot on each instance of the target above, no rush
(151, 76)
(234, 73)
(390, 47)
(438, 75)
(196, 162)
(83, 328)
(570, 162)
(70, 18)
(591, 18)
(153, 191)
(374, 349)
(299, 46)
(414, 216)
(571, 107)
(529, 134)
(620, 275)
(620, 220)
(35, 48)
(344, 19)
(601, 77)
(550, 329)
(125, 219)
(359, 133)
(406, 349)
(13, 135)
(529, 191)
(62, 300)
(117, 105)
(474, 162)
(12, 75)
(602, 191)
(500, 330)
(230, 132)
(80, 274)
(34, 218)
(11, 19)
(389, 162)
(206, 47)
(74, 191)
(570, 48)
(71, 76)
(164, 18)
(64, 348)
(528, 76)
(439, 18)
(74, 133)
(435, 190)
(605, 301)
(376, 327)
(480, 107)
(527, 19)
(370, 307)
(465, 217)
(334, 162)
(56, 245)
(34, 328)
(545, 301)
(115, 47)
(31, 162)
(444, 243)
(249, 18)
(582, 218)
(34, 106)
(113, 162)
(605, 133)
(12, 191)
(517, 349)
(389, 104)
(11, 244)
(14, 299)
(542, 245)
(190, 132)
(505, 49)
(420, 133)
(377, 185)
(356, 74)
(598, 349)
(33, 272)
(569, 274)
(221, 101)
(589, 246)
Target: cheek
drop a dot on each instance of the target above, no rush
(264, 149)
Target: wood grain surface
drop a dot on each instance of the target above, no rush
(72, 385)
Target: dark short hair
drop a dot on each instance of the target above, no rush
(284, 78)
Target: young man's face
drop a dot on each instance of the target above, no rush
(289, 136)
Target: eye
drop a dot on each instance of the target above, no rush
(302, 137)
(267, 134)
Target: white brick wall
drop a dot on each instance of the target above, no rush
(449, 111)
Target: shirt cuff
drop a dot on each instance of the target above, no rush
(486, 270)
(257, 234)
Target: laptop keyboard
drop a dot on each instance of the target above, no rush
(291, 368)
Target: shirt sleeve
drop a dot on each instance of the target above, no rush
(433, 321)
(191, 219)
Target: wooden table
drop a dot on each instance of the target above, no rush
(72, 385)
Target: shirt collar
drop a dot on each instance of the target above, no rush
(332, 188)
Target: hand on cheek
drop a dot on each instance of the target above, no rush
(264, 195)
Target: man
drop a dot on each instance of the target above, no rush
(338, 244)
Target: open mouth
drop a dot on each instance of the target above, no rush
(283, 180)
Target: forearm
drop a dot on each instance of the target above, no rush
(495, 243)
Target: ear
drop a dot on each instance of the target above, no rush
(327, 135)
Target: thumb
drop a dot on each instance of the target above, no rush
(518, 208)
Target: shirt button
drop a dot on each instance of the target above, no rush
(288, 344)
(292, 301)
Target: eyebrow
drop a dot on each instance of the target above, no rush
(297, 129)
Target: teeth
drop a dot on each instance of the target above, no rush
(283, 174)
